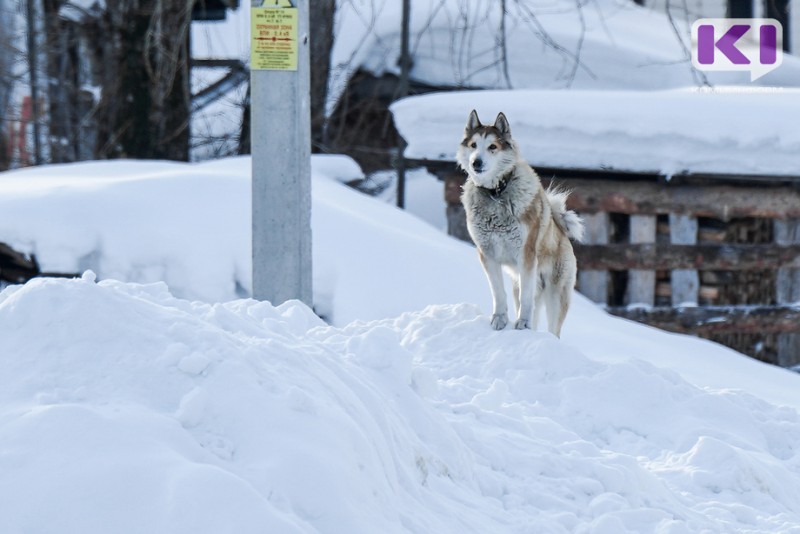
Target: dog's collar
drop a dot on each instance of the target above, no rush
(501, 185)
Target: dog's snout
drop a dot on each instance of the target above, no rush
(477, 164)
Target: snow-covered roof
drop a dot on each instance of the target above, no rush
(724, 131)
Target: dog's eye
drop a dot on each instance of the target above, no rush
(473, 145)
(492, 147)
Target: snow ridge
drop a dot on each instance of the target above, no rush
(125, 409)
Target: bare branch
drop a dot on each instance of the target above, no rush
(541, 33)
(699, 77)
(502, 44)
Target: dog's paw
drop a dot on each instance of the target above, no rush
(522, 324)
(499, 321)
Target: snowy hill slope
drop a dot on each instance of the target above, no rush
(124, 409)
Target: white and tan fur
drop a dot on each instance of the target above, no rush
(517, 225)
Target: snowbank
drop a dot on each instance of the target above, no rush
(143, 221)
(189, 226)
(124, 409)
(666, 132)
(424, 195)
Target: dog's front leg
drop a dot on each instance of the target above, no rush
(528, 277)
(494, 272)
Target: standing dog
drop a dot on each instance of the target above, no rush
(519, 225)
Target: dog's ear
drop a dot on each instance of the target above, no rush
(501, 123)
(473, 123)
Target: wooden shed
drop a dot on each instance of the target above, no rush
(714, 254)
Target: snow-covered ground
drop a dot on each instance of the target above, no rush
(126, 409)
(726, 130)
(157, 400)
(424, 194)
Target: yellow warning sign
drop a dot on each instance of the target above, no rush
(273, 36)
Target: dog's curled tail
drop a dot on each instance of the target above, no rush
(569, 221)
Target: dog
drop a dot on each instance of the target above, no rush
(518, 225)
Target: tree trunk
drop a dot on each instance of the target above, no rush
(779, 10)
(244, 134)
(61, 86)
(740, 9)
(8, 56)
(169, 79)
(144, 108)
(137, 53)
(321, 20)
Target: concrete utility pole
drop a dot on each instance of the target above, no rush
(281, 148)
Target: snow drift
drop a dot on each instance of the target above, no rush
(124, 409)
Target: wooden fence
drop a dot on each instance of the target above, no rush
(663, 237)
(684, 257)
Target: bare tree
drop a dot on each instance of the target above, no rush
(684, 40)
(361, 125)
(503, 43)
(144, 108)
(135, 53)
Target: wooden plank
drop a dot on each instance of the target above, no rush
(685, 282)
(705, 320)
(730, 257)
(642, 283)
(437, 166)
(593, 283)
(16, 267)
(787, 290)
(647, 198)
(709, 293)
